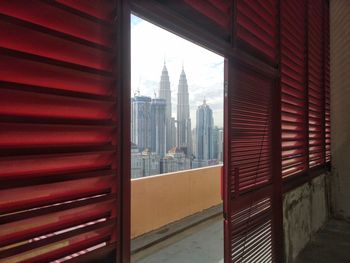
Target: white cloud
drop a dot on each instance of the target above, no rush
(204, 69)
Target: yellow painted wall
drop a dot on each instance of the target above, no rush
(159, 200)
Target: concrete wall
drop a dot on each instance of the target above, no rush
(159, 200)
(305, 210)
(340, 106)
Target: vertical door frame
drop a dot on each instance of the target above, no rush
(123, 76)
(165, 17)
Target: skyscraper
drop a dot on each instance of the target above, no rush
(158, 126)
(183, 116)
(136, 162)
(204, 130)
(165, 93)
(215, 143)
(141, 121)
(221, 145)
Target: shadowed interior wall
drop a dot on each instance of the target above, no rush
(159, 200)
(340, 109)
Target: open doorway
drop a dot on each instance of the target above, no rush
(177, 147)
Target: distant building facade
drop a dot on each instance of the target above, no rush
(184, 138)
(174, 161)
(215, 143)
(221, 145)
(141, 121)
(136, 162)
(150, 163)
(165, 94)
(204, 136)
(158, 126)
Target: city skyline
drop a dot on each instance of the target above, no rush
(204, 69)
(149, 155)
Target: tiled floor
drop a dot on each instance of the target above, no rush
(202, 244)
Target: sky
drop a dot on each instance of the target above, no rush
(151, 45)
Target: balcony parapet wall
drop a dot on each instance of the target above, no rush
(162, 199)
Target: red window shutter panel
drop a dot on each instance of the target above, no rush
(249, 169)
(256, 26)
(251, 130)
(218, 11)
(253, 190)
(327, 86)
(58, 174)
(251, 230)
(293, 88)
(316, 94)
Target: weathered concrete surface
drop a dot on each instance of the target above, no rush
(305, 211)
(319, 202)
(203, 244)
(330, 245)
(340, 106)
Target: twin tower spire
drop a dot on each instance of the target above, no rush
(177, 135)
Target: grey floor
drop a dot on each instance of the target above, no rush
(203, 243)
(330, 245)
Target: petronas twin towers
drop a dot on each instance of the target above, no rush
(179, 136)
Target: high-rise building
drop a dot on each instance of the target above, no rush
(165, 93)
(150, 163)
(172, 133)
(204, 130)
(174, 161)
(221, 145)
(194, 141)
(141, 121)
(158, 126)
(184, 138)
(136, 162)
(215, 143)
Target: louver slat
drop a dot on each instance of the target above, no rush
(58, 171)
(257, 26)
(316, 92)
(293, 88)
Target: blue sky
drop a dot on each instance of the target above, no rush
(150, 45)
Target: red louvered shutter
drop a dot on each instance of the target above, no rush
(293, 88)
(58, 169)
(316, 83)
(257, 27)
(327, 86)
(218, 11)
(251, 130)
(252, 218)
(248, 167)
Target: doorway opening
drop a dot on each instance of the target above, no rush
(176, 147)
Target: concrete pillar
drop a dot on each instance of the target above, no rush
(340, 105)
